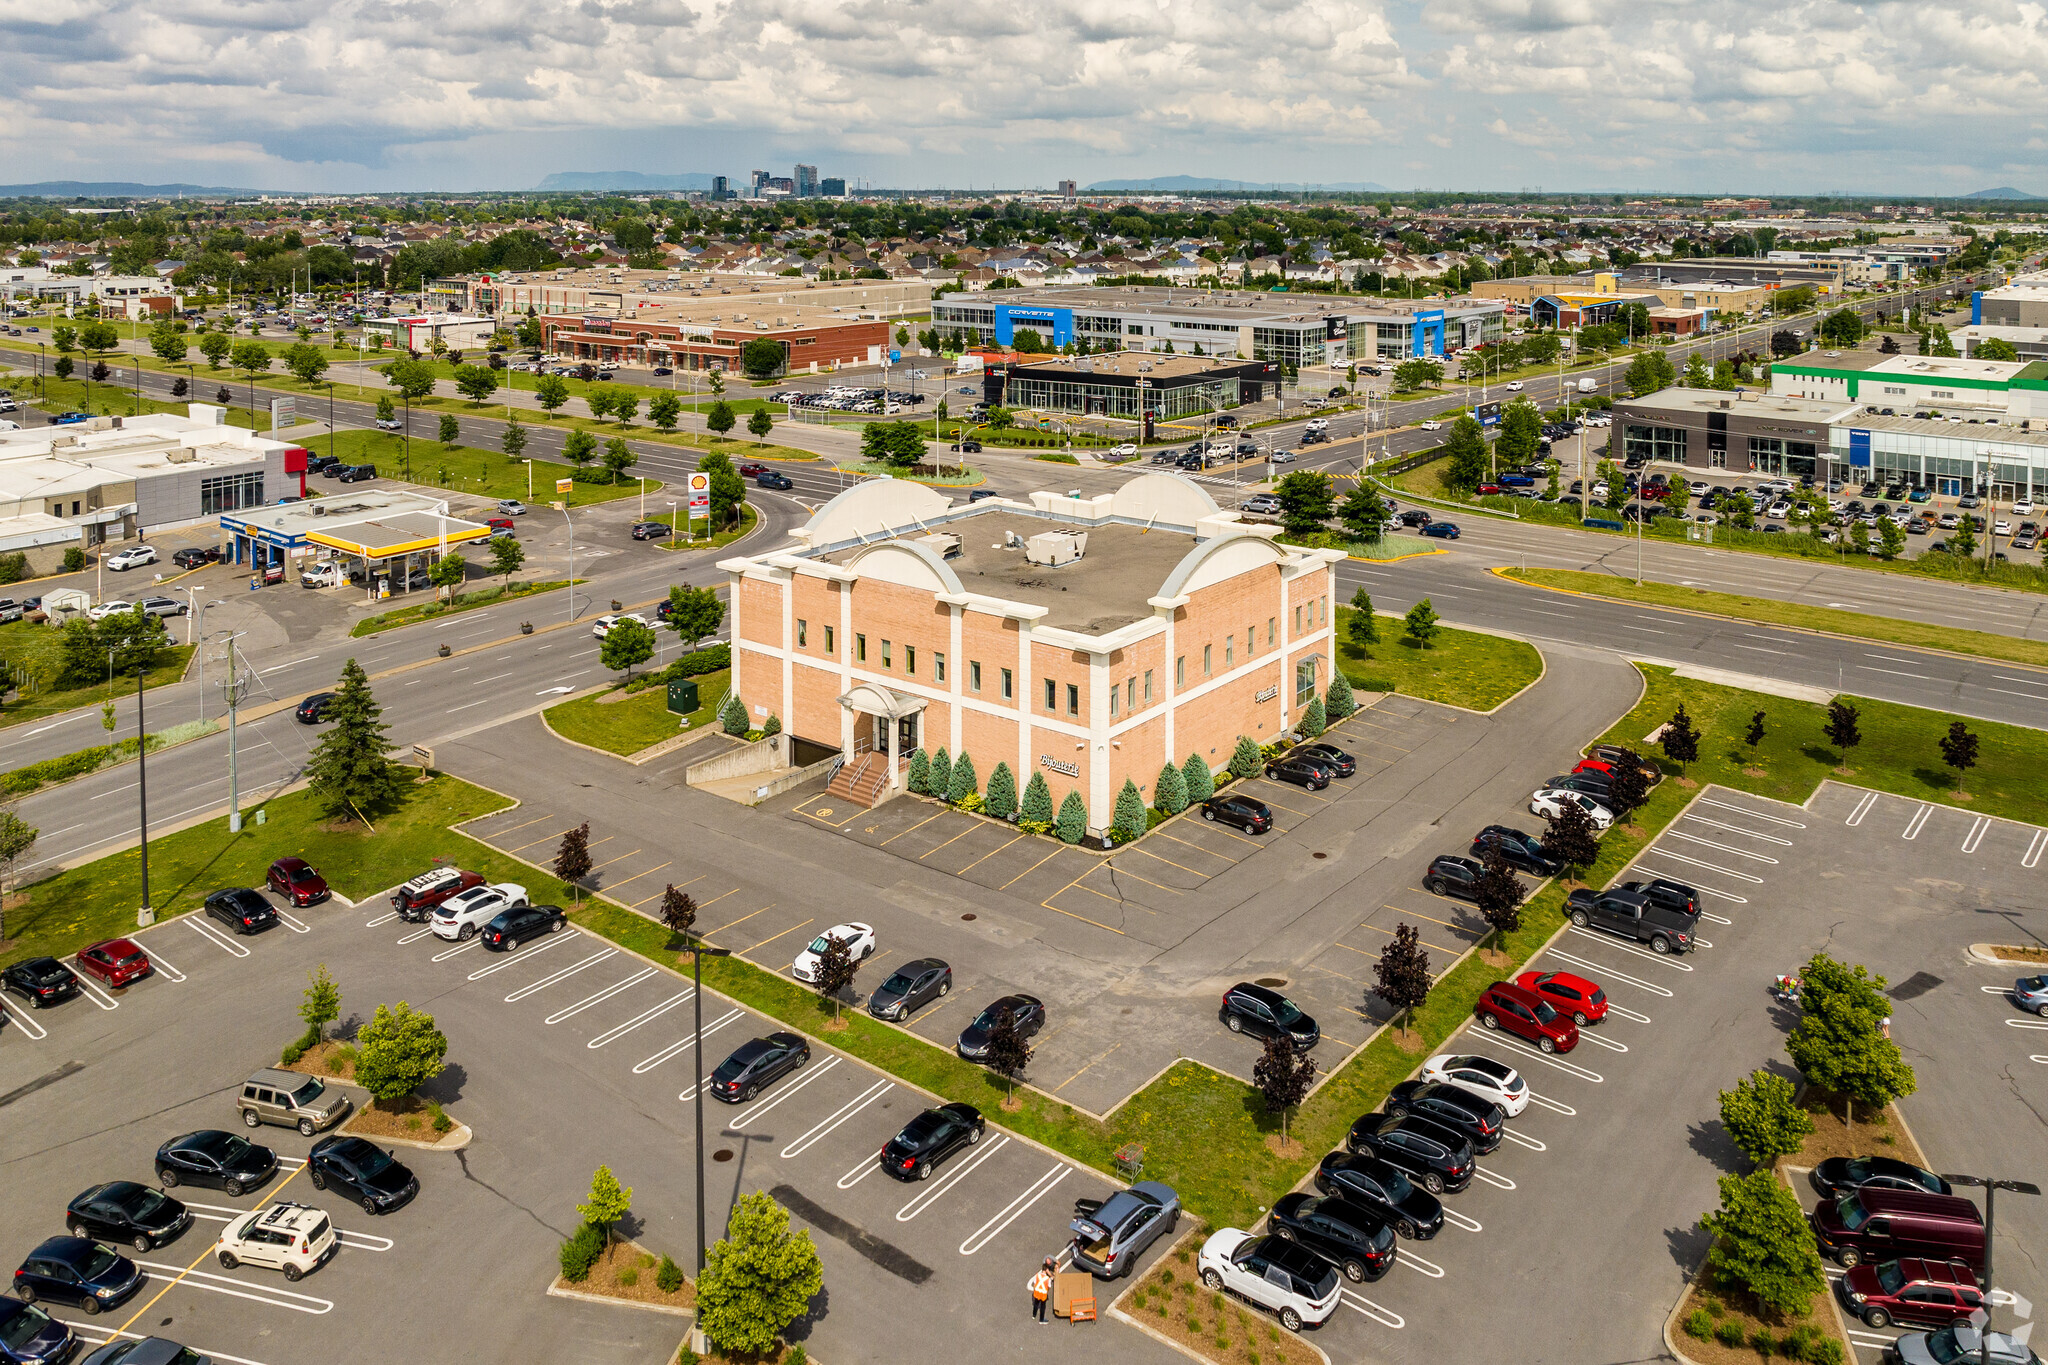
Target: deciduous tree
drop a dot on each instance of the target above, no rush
(1763, 1244)
(572, 858)
(609, 1202)
(1421, 626)
(1763, 1118)
(678, 913)
(627, 643)
(1364, 512)
(1401, 976)
(1283, 1077)
(550, 391)
(720, 419)
(1465, 453)
(1009, 1051)
(579, 448)
(758, 1279)
(476, 382)
(1843, 729)
(1959, 750)
(1499, 894)
(398, 1051)
(1680, 741)
(663, 410)
(1570, 838)
(836, 970)
(619, 457)
(1306, 501)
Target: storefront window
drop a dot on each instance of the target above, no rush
(1639, 442)
(230, 492)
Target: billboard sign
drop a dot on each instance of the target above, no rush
(700, 493)
(1487, 413)
(1057, 321)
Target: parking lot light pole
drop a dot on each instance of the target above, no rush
(1990, 1188)
(699, 951)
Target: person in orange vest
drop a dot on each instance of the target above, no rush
(1041, 1289)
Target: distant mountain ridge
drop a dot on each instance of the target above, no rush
(596, 182)
(108, 189)
(1194, 184)
(2002, 192)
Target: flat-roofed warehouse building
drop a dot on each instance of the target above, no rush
(1129, 384)
(511, 296)
(1088, 639)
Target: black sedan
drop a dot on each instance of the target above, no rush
(653, 530)
(363, 1171)
(930, 1138)
(510, 928)
(1840, 1175)
(755, 1064)
(1358, 1241)
(241, 910)
(214, 1158)
(1027, 1016)
(79, 1272)
(1436, 1157)
(1523, 852)
(1300, 771)
(1331, 757)
(1481, 1121)
(1253, 817)
(313, 709)
(1364, 1179)
(40, 980)
(911, 987)
(123, 1211)
(967, 447)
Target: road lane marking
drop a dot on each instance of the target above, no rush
(861, 1170)
(1016, 1209)
(764, 1106)
(1665, 959)
(798, 1146)
(646, 1016)
(1708, 890)
(94, 992)
(1587, 1036)
(680, 1045)
(419, 933)
(1553, 1106)
(607, 993)
(507, 959)
(1414, 1262)
(385, 918)
(1386, 1317)
(1523, 1140)
(932, 1196)
(293, 923)
(1613, 1008)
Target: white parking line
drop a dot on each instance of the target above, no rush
(221, 1284)
(1638, 867)
(508, 959)
(1386, 1317)
(294, 923)
(846, 1111)
(1524, 1140)
(416, 935)
(607, 993)
(1014, 1210)
(1752, 814)
(84, 1330)
(1622, 977)
(1912, 830)
(1414, 1262)
(534, 987)
(2025, 1023)
(35, 1031)
(361, 1241)
(1613, 1008)
(646, 1016)
(1996, 990)
(1737, 829)
(94, 992)
(1569, 1068)
(681, 1044)
(1711, 867)
(765, 1105)
(385, 918)
(1497, 1181)
(1645, 954)
(156, 960)
(1699, 942)
(862, 1169)
(1976, 834)
(1456, 1219)
(1552, 1105)
(447, 953)
(1862, 809)
(932, 1196)
(2035, 848)
(1588, 1036)
(2037, 1057)
(215, 936)
(1725, 848)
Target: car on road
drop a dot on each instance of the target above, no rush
(196, 557)
(1431, 425)
(1575, 996)
(124, 1211)
(930, 1138)
(1522, 851)
(512, 507)
(216, 1159)
(1359, 1242)
(510, 928)
(499, 524)
(77, 1271)
(773, 478)
(363, 1171)
(41, 981)
(1265, 1013)
(1490, 1080)
(1300, 771)
(415, 899)
(1962, 1343)
(463, 916)
(1287, 456)
(1514, 386)
(388, 424)
(1442, 530)
(1840, 1175)
(1910, 1291)
(298, 881)
(313, 709)
(115, 962)
(860, 946)
(1549, 802)
(295, 1238)
(1330, 756)
(1260, 505)
(2031, 993)
(1414, 516)
(604, 624)
(1286, 1279)
(652, 530)
(241, 909)
(1505, 1007)
(162, 607)
(1253, 817)
(910, 987)
(291, 1100)
(966, 447)
(1633, 915)
(756, 1064)
(1435, 1157)
(1364, 1179)
(1480, 1122)
(1110, 1235)
(1122, 452)
(1451, 875)
(750, 469)
(1027, 1016)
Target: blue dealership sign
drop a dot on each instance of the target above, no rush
(1010, 316)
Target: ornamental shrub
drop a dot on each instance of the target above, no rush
(1073, 821)
(1339, 703)
(964, 783)
(1001, 798)
(1201, 783)
(1037, 805)
(732, 717)
(580, 1253)
(942, 773)
(1170, 791)
(1247, 761)
(920, 778)
(1314, 720)
(1130, 811)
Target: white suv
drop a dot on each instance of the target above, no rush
(1283, 1277)
(295, 1238)
(133, 557)
(460, 917)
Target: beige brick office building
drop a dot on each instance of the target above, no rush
(1089, 639)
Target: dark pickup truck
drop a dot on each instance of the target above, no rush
(1634, 915)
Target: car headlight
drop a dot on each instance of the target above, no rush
(1858, 1298)
(103, 1293)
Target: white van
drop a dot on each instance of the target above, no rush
(1588, 386)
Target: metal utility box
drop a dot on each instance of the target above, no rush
(682, 696)
(1056, 547)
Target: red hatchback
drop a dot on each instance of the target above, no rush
(297, 882)
(1522, 1012)
(1571, 995)
(1910, 1290)
(115, 963)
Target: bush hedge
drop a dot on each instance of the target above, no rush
(580, 1253)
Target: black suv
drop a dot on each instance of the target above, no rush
(1303, 772)
(1414, 516)
(1358, 1241)
(241, 910)
(196, 556)
(1438, 1158)
(1253, 817)
(1363, 1179)
(356, 473)
(1268, 1014)
(1451, 875)
(773, 478)
(1523, 852)
(1480, 1120)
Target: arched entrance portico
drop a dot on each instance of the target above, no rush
(880, 719)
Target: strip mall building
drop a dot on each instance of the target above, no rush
(1088, 639)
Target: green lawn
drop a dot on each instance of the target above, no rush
(428, 609)
(1856, 623)
(467, 469)
(33, 647)
(63, 913)
(519, 381)
(1465, 668)
(749, 518)
(877, 469)
(627, 727)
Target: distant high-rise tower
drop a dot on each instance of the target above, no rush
(1066, 189)
(759, 181)
(721, 189)
(832, 187)
(806, 181)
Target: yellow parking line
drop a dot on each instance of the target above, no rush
(1033, 868)
(836, 824)
(986, 856)
(972, 825)
(189, 1269)
(1126, 872)
(543, 839)
(912, 830)
(635, 877)
(1199, 849)
(1217, 825)
(1071, 1079)
(934, 1008)
(524, 823)
(742, 919)
(1289, 809)
(609, 861)
(1454, 952)
(1170, 863)
(1303, 790)
(1448, 924)
(1048, 904)
(664, 891)
(771, 938)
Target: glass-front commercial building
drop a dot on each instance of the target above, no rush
(1130, 385)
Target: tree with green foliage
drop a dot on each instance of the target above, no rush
(550, 391)
(321, 1004)
(663, 410)
(386, 409)
(1000, 800)
(1314, 720)
(1072, 822)
(17, 840)
(694, 613)
(1419, 373)
(1130, 819)
(98, 338)
(760, 424)
(1650, 372)
(1364, 513)
(1839, 1043)
(1763, 1119)
(762, 358)
(1843, 328)
(1170, 790)
(1338, 703)
(1959, 750)
(619, 457)
(1521, 433)
(964, 782)
(476, 382)
(1763, 1244)
(169, 344)
(918, 777)
(609, 1202)
(728, 489)
(1245, 758)
(732, 716)
(1201, 782)
(627, 643)
(942, 773)
(1466, 456)
(599, 401)
(398, 1051)
(251, 357)
(350, 769)
(414, 379)
(514, 439)
(580, 448)
(1419, 626)
(758, 1278)
(1993, 348)
(450, 430)
(720, 419)
(63, 367)
(1036, 808)
(1362, 626)
(447, 573)
(1843, 728)
(1306, 501)
(1680, 740)
(215, 346)
(306, 363)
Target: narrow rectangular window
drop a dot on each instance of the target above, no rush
(1112, 702)
(828, 640)
(1271, 624)
(909, 659)
(1130, 694)
(1250, 645)
(938, 667)
(1148, 687)
(1229, 651)
(1323, 610)
(1006, 684)
(885, 653)
(860, 648)
(802, 629)
(1052, 695)
(974, 675)
(1073, 700)
(1180, 671)
(1208, 660)
(1297, 618)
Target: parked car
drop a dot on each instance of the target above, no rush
(1300, 771)
(1331, 757)
(1358, 1241)
(1361, 1178)
(463, 916)
(415, 900)
(163, 607)
(1912, 1292)
(297, 881)
(291, 1100)
(1490, 1080)
(1253, 817)
(512, 927)
(1027, 1016)
(858, 938)
(2031, 993)
(652, 530)
(29, 1336)
(313, 709)
(512, 507)
(295, 1238)
(1109, 1237)
(1959, 1341)
(1435, 1157)
(194, 557)
(1549, 802)
(242, 910)
(1526, 1015)
(79, 1272)
(1290, 1281)
(1840, 1175)
(363, 1171)
(1878, 1224)
(930, 1138)
(1479, 1121)
(1265, 1013)
(124, 1211)
(115, 962)
(41, 981)
(1523, 852)
(134, 557)
(910, 987)
(1451, 875)
(216, 1159)
(757, 1064)
(357, 473)
(1633, 915)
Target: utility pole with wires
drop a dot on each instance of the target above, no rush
(233, 689)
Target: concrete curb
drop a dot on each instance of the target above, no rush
(558, 1290)
(454, 1140)
(1986, 955)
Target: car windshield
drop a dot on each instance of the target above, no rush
(1854, 1215)
(1890, 1278)
(1286, 1014)
(309, 1092)
(1397, 1187)
(98, 1264)
(899, 984)
(371, 1161)
(19, 1330)
(1942, 1346)
(1545, 1014)
(820, 945)
(141, 1202)
(305, 874)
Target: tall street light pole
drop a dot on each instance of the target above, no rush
(1991, 1188)
(699, 951)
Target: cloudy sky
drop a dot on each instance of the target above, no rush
(1766, 96)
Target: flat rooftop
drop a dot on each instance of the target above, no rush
(1150, 364)
(1748, 403)
(1240, 307)
(1978, 434)
(367, 520)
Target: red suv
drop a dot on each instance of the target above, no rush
(1910, 1290)
(1571, 995)
(415, 900)
(297, 881)
(1526, 1014)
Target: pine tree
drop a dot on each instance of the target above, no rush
(1001, 797)
(1130, 811)
(732, 716)
(1073, 819)
(1170, 790)
(1363, 624)
(1313, 719)
(963, 783)
(1200, 781)
(942, 774)
(1338, 703)
(1246, 760)
(920, 776)
(1037, 807)
(350, 768)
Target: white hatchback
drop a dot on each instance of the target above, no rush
(295, 1238)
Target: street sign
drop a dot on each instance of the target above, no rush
(283, 413)
(895, 356)
(700, 492)
(564, 485)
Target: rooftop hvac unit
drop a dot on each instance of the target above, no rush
(1054, 548)
(941, 543)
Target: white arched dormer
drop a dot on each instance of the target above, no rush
(1214, 561)
(906, 563)
(1173, 499)
(873, 509)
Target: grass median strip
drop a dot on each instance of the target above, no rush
(626, 727)
(467, 469)
(37, 650)
(1833, 620)
(1465, 668)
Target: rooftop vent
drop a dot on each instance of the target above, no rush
(1054, 548)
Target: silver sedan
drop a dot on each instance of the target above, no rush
(2031, 993)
